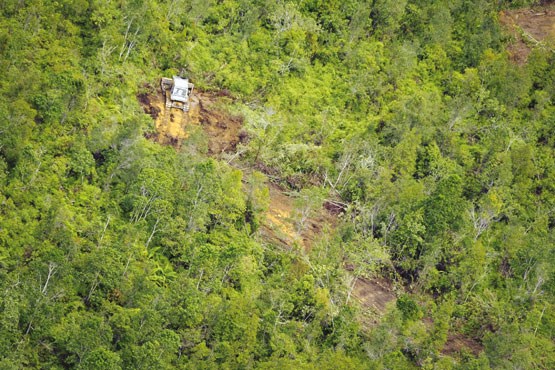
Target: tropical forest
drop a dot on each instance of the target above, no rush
(277, 184)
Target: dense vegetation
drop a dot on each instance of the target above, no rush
(117, 252)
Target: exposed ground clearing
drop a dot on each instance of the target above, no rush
(280, 224)
(173, 126)
(374, 296)
(456, 343)
(529, 27)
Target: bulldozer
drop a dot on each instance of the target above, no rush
(177, 92)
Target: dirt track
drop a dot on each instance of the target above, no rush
(280, 226)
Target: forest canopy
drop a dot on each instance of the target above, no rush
(408, 124)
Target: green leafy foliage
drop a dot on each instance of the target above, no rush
(405, 117)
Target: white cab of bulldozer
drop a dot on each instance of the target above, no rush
(180, 90)
(177, 92)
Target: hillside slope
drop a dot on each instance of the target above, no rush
(359, 184)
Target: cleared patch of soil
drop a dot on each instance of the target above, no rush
(530, 27)
(456, 343)
(278, 225)
(374, 294)
(173, 126)
(281, 225)
(223, 129)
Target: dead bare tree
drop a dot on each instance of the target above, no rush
(129, 40)
(52, 267)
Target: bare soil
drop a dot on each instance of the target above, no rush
(280, 227)
(280, 224)
(374, 294)
(529, 27)
(456, 343)
(173, 126)
(223, 129)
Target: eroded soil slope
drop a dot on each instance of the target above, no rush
(529, 27)
(173, 126)
(280, 225)
(458, 343)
